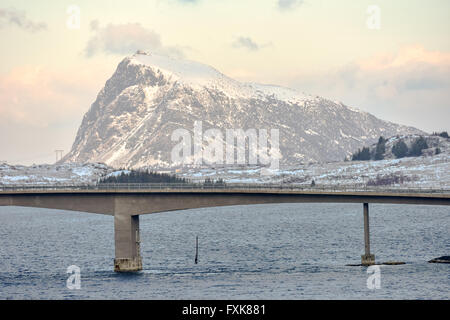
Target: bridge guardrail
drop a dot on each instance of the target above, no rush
(216, 187)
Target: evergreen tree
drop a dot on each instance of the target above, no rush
(211, 183)
(380, 149)
(418, 145)
(143, 176)
(444, 134)
(400, 149)
(361, 155)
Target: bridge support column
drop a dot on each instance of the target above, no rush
(367, 259)
(127, 243)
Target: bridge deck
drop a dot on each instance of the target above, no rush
(138, 199)
(287, 191)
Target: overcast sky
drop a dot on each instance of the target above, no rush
(396, 67)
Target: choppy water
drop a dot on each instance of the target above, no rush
(288, 251)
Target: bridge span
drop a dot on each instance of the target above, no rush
(127, 201)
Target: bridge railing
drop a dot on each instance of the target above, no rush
(217, 187)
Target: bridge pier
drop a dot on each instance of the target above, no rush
(127, 243)
(367, 259)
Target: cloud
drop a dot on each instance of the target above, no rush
(41, 108)
(93, 25)
(412, 68)
(405, 56)
(248, 43)
(124, 39)
(245, 42)
(411, 86)
(289, 4)
(19, 19)
(37, 96)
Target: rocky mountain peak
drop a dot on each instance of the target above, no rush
(150, 95)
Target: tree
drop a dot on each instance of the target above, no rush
(444, 134)
(361, 155)
(142, 176)
(437, 151)
(380, 149)
(400, 149)
(211, 183)
(418, 145)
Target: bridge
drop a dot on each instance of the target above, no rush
(127, 201)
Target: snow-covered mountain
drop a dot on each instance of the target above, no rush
(149, 96)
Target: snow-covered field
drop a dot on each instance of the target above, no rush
(418, 172)
(46, 174)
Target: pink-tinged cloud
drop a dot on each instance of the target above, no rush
(41, 109)
(38, 96)
(410, 55)
(411, 86)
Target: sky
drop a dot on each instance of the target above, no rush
(389, 58)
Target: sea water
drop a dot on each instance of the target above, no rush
(276, 251)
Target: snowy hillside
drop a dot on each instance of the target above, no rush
(428, 171)
(46, 174)
(413, 172)
(433, 143)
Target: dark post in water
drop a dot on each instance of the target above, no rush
(367, 259)
(196, 249)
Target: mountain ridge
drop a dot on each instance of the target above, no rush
(149, 96)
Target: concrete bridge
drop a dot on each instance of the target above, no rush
(127, 201)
